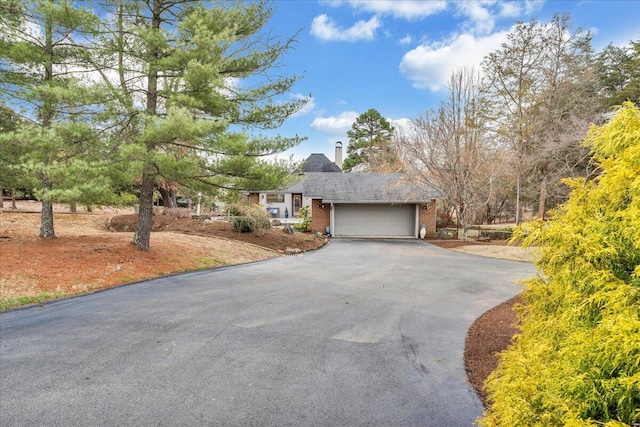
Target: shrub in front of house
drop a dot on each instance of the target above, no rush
(305, 215)
(259, 216)
(252, 218)
(242, 224)
(236, 210)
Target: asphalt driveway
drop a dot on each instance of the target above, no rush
(358, 333)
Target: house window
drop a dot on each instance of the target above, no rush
(275, 198)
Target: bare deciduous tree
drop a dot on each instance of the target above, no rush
(563, 112)
(446, 148)
(512, 82)
(542, 92)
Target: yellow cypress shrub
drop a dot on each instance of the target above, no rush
(577, 360)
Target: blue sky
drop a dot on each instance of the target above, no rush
(395, 56)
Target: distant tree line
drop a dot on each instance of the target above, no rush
(507, 135)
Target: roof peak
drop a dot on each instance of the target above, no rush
(319, 162)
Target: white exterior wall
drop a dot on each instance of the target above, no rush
(288, 204)
(306, 201)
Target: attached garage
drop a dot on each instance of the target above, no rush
(374, 220)
(377, 205)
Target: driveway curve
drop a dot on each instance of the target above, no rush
(359, 333)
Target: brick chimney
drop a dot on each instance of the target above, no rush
(338, 158)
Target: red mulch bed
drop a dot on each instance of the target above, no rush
(489, 335)
(273, 238)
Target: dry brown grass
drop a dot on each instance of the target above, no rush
(512, 253)
(85, 257)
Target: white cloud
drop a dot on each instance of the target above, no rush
(431, 65)
(481, 19)
(531, 6)
(406, 9)
(482, 14)
(400, 124)
(510, 9)
(405, 40)
(326, 29)
(335, 125)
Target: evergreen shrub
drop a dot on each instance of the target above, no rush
(305, 215)
(577, 359)
(242, 224)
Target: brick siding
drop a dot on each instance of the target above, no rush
(254, 198)
(427, 216)
(320, 216)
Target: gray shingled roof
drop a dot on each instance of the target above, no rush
(366, 187)
(297, 187)
(319, 163)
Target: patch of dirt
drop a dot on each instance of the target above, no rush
(69, 265)
(274, 238)
(490, 334)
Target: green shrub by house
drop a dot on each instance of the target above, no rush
(252, 218)
(305, 215)
(260, 218)
(243, 224)
(577, 360)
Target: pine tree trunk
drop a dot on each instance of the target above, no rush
(168, 197)
(73, 207)
(142, 237)
(1, 198)
(46, 217)
(13, 200)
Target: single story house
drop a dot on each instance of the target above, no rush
(356, 204)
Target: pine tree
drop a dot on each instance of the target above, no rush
(10, 153)
(40, 69)
(190, 80)
(619, 73)
(370, 146)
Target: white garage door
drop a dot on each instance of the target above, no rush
(356, 220)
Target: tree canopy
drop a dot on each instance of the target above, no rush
(370, 146)
(447, 148)
(619, 73)
(542, 94)
(54, 141)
